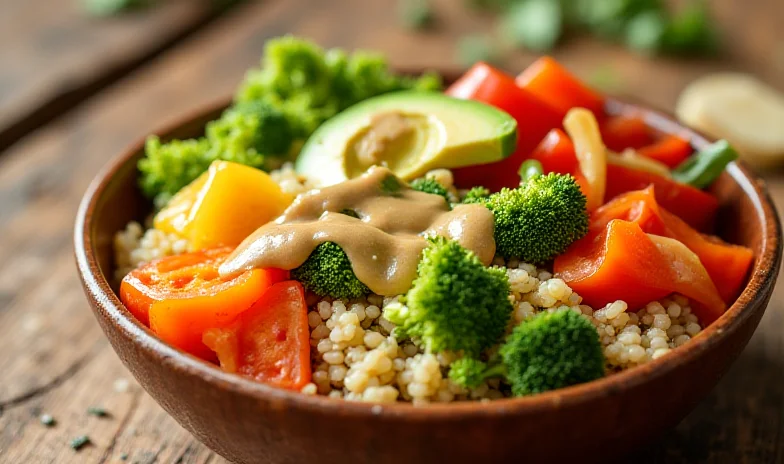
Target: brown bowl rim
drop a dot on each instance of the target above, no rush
(761, 282)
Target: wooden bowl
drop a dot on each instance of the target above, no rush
(251, 422)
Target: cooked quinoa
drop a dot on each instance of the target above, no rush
(355, 355)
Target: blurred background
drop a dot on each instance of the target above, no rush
(82, 79)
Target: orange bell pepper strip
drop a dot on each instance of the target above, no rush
(728, 265)
(553, 84)
(670, 150)
(622, 132)
(694, 206)
(622, 262)
(180, 297)
(534, 118)
(270, 342)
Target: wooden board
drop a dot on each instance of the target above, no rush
(54, 54)
(55, 358)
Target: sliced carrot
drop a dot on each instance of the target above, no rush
(552, 83)
(670, 150)
(270, 342)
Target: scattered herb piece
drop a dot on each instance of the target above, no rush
(349, 212)
(646, 26)
(97, 411)
(416, 14)
(112, 7)
(80, 442)
(390, 185)
(48, 420)
(474, 48)
(535, 24)
(645, 32)
(124, 456)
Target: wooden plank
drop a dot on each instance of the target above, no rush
(54, 54)
(54, 353)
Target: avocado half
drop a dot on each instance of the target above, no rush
(410, 132)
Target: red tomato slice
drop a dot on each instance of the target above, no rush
(179, 297)
(270, 342)
(534, 118)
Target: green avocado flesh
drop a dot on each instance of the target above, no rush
(410, 132)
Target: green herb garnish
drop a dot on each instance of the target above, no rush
(79, 442)
(97, 411)
(349, 212)
(391, 185)
(48, 420)
(415, 14)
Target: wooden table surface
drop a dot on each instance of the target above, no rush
(74, 92)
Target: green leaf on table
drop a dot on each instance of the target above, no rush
(112, 7)
(474, 48)
(416, 14)
(534, 24)
(645, 32)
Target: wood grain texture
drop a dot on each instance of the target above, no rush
(57, 361)
(54, 54)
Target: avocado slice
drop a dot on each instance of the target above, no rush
(410, 132)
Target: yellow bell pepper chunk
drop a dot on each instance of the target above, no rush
(223, 206)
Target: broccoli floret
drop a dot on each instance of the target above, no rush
(278, 106)
(552, 350)
(310, 85)
(470, 372)
(254, 134)
(540, 219)
(455, 303)
(256, 125)
(168, 167)
(476, 195)
(428, 185)
(328, 272)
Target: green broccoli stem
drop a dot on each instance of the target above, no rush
(495, 369)
(530, 169)
(703, 168)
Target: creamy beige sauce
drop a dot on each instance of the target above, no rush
(384, 130)
(384, 243)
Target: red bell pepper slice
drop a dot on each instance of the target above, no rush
(697, 208)
(622, 262)
(670, 150)
(270, 342)
(622, 132)
(534, 118)
(556, 153)
(553, 84)
(694, 206)
(728, 265)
